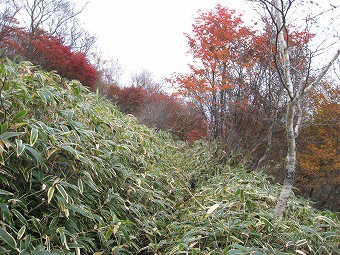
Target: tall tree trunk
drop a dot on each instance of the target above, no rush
(290, 161)
(278, 10)
(292, 99)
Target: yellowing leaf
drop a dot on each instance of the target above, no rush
(50, 194)
(20, 147)
(63, 192)
(212, 209)
(34, 136)
(21, 232)
(18, 125)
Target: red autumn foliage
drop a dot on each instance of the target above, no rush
(50, 53)
(131, 99)
(160, 110)
(194, 135)
(233, 80)
(221, 46)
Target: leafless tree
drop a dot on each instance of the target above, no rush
(8, 10)
(58, 18)
(155, 114)
(109, 70)
(75, 36)
(49, 15)
(145, 79)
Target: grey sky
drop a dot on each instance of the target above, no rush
(147, 34)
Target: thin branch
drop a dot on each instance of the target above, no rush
(323, 73)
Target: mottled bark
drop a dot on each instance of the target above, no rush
(289, 179)
(291, 112)
(295, 93)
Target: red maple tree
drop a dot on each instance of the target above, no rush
(50, 53)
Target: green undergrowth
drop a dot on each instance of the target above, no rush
(79, 177)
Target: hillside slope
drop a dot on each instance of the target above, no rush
(79, 177)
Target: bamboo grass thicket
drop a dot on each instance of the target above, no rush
(79, 177)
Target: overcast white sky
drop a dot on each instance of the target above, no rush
(147, 34)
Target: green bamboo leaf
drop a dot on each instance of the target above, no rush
(80, 186)
(240, 194)
(69, 185)
(98, 218)
(330, 234)
(3, 128)
(20, 146)
(27, 242)
(63, 237)
(33, 136)
(86, 160)
(75, 245)
(174, 250)
(335, 215)
(21, 232)
(40, 77)
(325, 219)
(89, 182)
(236, 252)
(6, 215)
(108, 233)
(36, 155)
(4, 235)
(125, 233)
(3, 250)
(54, 223)
(301, 242)
(36, 224)
(64, 128)
(240, 247)
(50, 151)
(20, 114)
(63, 192)
(70, 115)
(19, 216)
(78, 209)
(70, 150)
(6, 193)
(10, 134)
(50, 193)
(19, 204)
(98, 253)
(39, 250)
(267, 223)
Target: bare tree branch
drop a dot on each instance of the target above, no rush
(324, 72)
(58, 18)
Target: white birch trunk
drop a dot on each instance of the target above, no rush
(294, 111)
(289, 179)
(291, 112)
(294, 96)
